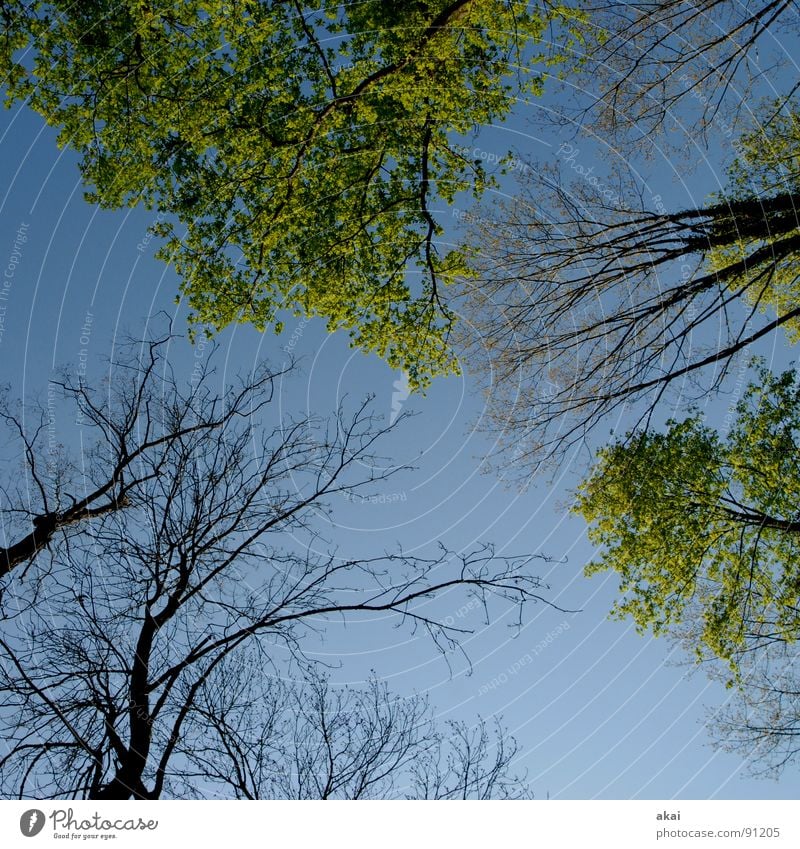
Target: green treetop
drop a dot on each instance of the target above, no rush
(704, 529)
(298, 152)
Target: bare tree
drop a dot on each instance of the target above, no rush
(759, 717)
(114, 661)
(261, 738)
(761, 721)
(129, 426)
(469, 764)
(648, 66)
(586, 305)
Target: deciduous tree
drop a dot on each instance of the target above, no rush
(677, 74)
(589, 302)
(761, 720)
(138, 638)
(297, 153)
(261, 738)
(704, 528)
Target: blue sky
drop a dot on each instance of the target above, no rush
(599, 711)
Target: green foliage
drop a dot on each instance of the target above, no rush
(704, 531)
(297, 151)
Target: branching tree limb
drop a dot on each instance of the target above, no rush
(585, 305)
(144, 611)
(647, 66)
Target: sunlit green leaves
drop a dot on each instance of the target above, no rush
(300, 153)
(705, 529)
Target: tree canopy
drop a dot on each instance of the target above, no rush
(296, 153)
(704, 527)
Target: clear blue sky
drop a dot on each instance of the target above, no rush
(599, 711)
